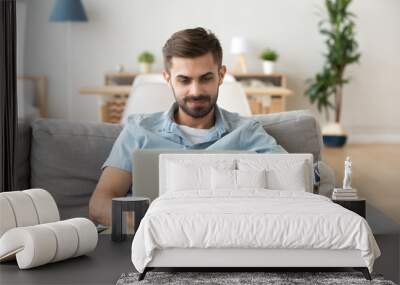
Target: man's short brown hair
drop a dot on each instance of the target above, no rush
(191, 43)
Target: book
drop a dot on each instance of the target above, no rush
(344, 197)
(340, 190)
(345, 194)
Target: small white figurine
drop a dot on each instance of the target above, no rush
(347, 174)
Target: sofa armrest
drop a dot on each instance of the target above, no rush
(327, 179)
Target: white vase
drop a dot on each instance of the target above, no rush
(268, 66)
(145, 67)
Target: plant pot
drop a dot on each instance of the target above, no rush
(268, 66)
(145, 67)
(334, 140)
(333, 135)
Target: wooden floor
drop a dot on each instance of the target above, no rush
(376, 173)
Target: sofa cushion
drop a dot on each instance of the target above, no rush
(66, 159)
(295, 131)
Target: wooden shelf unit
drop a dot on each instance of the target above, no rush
(271, 88)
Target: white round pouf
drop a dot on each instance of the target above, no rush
(31, 232)
(7, 218)
(34, 246)
(40, 244)
(67, 239)
(23, 208)
(87, 235)
(45, 205)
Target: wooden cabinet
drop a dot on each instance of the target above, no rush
(266, 92)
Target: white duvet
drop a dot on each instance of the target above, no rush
(250, 219)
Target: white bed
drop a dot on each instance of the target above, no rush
(200, 221)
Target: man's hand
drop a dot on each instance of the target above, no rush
(113, 182)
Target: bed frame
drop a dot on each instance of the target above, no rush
(250, 259)
(236, 259)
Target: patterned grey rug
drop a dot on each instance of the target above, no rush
(230, 278)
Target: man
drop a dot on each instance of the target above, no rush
(193, 69)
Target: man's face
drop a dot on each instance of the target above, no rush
(195, 82)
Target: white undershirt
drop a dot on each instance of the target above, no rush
(194, 135)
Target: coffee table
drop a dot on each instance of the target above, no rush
(104, 265)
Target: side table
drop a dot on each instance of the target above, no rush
(356, 205)
(138, 205)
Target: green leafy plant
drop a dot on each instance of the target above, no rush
(146, 57)
(342, 50)
(269, 54)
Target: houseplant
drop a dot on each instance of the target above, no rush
(342, 50)
(269, 57)
(145, 59)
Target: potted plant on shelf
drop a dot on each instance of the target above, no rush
(269, 57)
(342, 50)
(146, 59)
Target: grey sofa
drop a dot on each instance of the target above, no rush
(65, 157)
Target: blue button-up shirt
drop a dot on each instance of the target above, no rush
(159, 131)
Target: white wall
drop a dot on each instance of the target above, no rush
(118, 30)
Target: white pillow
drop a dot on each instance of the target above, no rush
(184, 175)
(291, 175)
(293, 179)
(251, 179)
(226, 179)
(223, 179)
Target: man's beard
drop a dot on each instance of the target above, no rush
(197, 112)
